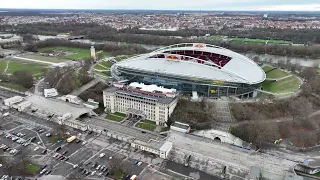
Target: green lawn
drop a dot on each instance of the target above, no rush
(105, 73)
(117, 175)
(77, 56)
(120, 114)
(62, 48)
(276, 73)
(286, 85)
(318, 70)
(13, 86)
(267, 68)
(78, 53)
(247, 40)
(114, 117)
(259, 40)
(97, 66)
(45, 58)
(216, 37)
(279, 42)
(106, 64)
(31, 168)
(16, 65)
(147, 125)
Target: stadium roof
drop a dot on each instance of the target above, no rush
(239, 69)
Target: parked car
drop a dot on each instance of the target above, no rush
(44, 151)
(58, 149)
(102, 155)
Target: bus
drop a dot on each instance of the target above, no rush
(72, 138)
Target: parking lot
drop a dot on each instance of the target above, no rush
(75, 155)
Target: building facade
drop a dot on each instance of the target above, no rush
(146, 101)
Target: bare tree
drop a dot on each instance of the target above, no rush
(300, 108)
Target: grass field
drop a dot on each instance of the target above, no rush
(286, 85)
(216, 37)
(114, 117)
(247, 40)
(16, 65)
(276, 73)
(106, 64)
(78, 53)
(117, 175)
(13, 86)
(30, 168)
(240, 39)
(45, 58)
(62, 48)
(147, 125)
(105, 73)
(267, 68)
(120, 114)
(97, 66)
(318, 70)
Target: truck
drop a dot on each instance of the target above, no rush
(23, 105)
(13, 100)
(133, 177)
(72, 138)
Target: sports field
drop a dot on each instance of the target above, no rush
(16, 65)
(290, 84)
(76, 53)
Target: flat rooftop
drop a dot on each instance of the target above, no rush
(164, 100)
(57, 107)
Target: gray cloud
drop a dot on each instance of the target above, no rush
(156, 4)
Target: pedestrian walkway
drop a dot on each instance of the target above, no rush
(85, 87)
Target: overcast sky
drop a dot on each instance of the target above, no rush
(302, 5)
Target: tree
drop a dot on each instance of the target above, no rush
(23, 78)
(300, 109)
(115, 166)
(309, 73)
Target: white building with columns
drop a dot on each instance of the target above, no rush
(147, 101)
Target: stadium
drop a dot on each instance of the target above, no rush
(200, 69)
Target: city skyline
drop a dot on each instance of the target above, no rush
(241, 5)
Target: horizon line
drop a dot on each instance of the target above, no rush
(199, 10)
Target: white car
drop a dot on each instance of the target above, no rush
(83, 143)
(98, 167)
(35, 149)
(93, 173)
(75, 166)
(110, 157)
(0, 165)
(102, 155)
(139, 163)
(39, 142)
